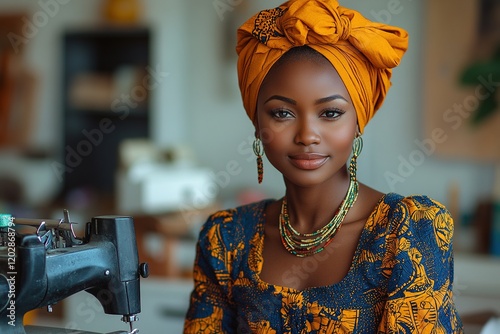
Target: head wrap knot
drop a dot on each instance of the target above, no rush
(363, 52)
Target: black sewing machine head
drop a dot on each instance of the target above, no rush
(40, 268)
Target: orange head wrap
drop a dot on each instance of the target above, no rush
(363, 52)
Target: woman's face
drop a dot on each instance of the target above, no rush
(306, 121)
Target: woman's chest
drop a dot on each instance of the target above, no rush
(328, 267)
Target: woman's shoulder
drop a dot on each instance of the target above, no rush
(236, 218)
(246, 211)
(387, 207)
(416, 206)
(397, 212)
(418, 216)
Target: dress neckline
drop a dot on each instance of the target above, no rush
(335, 286)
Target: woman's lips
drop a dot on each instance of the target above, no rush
(308, 161)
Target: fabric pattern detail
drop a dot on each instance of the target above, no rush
(400, 281)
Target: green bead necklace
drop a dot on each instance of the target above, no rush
(306, 244)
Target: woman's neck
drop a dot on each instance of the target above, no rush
(310, 208)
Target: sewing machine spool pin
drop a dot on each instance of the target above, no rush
(53, 233)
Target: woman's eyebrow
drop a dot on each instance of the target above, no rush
(319, 101)
(281, 98)
(330, 98)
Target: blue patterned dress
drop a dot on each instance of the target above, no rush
(400, 280)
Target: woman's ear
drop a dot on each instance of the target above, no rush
(256, 126)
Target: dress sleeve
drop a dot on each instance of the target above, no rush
(210, 309)
(419, 251)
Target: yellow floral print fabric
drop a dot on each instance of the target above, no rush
(400, 280)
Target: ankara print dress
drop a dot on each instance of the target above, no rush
(400, 280)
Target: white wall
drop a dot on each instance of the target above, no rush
(199, 104)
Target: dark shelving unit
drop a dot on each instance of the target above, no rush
(94, 126)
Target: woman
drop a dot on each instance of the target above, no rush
(333, 255)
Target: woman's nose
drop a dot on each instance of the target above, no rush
(307, 133)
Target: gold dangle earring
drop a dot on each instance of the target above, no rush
(257, 149)
(357, 147)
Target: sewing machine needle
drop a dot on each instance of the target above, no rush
(132, 330)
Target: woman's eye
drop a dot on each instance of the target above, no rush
(281, 113)
(332, 113)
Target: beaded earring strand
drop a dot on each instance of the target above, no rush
(306, 244)
(257, 150)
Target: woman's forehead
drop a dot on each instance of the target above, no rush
(303, 75)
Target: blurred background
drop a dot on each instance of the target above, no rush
(133, 107)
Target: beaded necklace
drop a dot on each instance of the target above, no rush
(306, 244)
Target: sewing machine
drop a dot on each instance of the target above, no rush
(42, 262)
